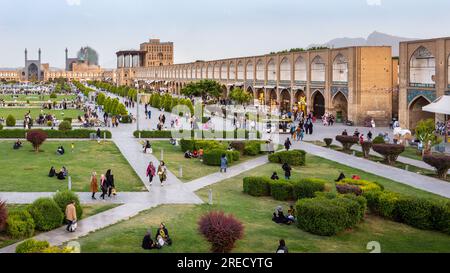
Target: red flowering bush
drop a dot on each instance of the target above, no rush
(221, 230)
(36, 137)
(347, 188)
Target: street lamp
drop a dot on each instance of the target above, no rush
(137, 110)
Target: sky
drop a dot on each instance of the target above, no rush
(203, 29)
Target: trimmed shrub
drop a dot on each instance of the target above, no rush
(293, 157)
(238, 146)
(307, 187)
(347, 141)
(68, 120)
(221, 230)
(440, 216)
(10, 121)
(36, 137)
(212, 157)
(53, 96)
(364, 185)
(65, 126)
(46, 214)
(281, 190)
(1, 126)
(78, 133)
(187, 145)
(378, 140)
(415, 212)
(328, 142)
(347, 188)
(366, 146)
(329, 216)
(32, 246)
(390, 152)
(440, 162)
(63, 198)
(3, 215)
(20, 224)
(257, 186)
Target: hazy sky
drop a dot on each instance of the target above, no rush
(204, 29)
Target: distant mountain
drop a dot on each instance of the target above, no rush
(374, 39)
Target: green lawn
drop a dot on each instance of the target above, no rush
(88, 210)
(192, 168)
(32, 98)
(261, 234)
(19, 113)
(26, 171)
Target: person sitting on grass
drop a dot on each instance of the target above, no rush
(52, 172)
(172, 141)
(291, 213)
(147, 242)
(341, 176)
(200, 153)
(279, 218)
(60, 150)
(162, 235)
(274, 176)
(188, 154)
(61, 175)
(195, 154)
(17, 145)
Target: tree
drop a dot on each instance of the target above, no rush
(10, 121)
(347, 142)
(440, 162)
(3, 215)
(36, 137)
(221, 230)
(240, 96)
(101, 98)
(366, 146)
(203, 88)
(425, 132)
(390, 152)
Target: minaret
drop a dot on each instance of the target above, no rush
(26, 56)
(67, 57)
(39, 53)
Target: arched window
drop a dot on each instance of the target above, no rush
(271, 71)
(422, 68)
(448, 70)
(202, 72)
(250, 70)
(318, 70)
(210, 71)
(260, 70)
(285, 70)
(232, 71)
(216, 71)
(300, 69)
(240, 71)
(340, 69)
(223, 72)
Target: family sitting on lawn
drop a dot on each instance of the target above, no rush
(162, 238)
(61, 175)
(194, 154)
(280, 218)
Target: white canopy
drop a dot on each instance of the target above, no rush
(440, 106)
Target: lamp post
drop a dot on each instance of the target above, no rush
(137, 110)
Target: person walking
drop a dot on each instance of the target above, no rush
(103, 186)
(151, 172)
(287, 144)
(223, 163)
(162, 172)
(94, 184)
(71, 214)
(109, 182)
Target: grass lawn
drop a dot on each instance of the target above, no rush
(88, 210)
(26, 171)
(31, 98)
(19, 113)
(192, 168)
(261, 234)
(407, 153)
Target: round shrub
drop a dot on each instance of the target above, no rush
(46, 214)
(257, 186)
(53, 96)
(415, 212)
(212, 157)
(390, 152)
(32, 246)
(63, 198)
(36, 137)
(10, 121)
(281, 190)
(238, 146)
(293, 157)
(221, 230)
(68, 120)
(347, 141)
(378, 140)
(20, 224)
(440, 162)
(65, 126)
(328, 141)
(307, 187)
(251, 150)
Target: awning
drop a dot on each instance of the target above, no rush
(439, 106)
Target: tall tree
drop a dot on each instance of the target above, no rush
(203, 88)
(240, 96)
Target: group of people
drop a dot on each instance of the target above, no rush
(161, 171)
(61, 175)
(279, 217)
(194, 154)
(161, 239)
(328, 119)
(161, 122)
(107, 185)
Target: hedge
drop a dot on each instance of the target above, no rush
(307, 187)
(257, 186)
(78, 133)
(281, 190)
(193, 133)
(46, 214)
(329, 216)
(293, 157)
(212, 157)
(34, 246)
(63, 198)
(20, 224)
